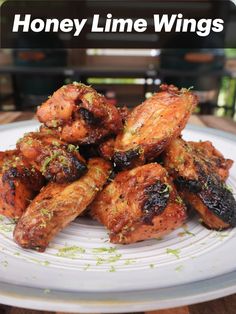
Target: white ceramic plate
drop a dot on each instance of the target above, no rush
(82, 272)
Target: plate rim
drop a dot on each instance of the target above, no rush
(115, 302)
(145, 300)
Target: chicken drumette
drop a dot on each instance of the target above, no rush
(79, 114)
(199, 172)
(139, 204)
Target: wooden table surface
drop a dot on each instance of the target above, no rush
(225, 305)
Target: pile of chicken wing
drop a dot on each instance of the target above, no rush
(130, 170)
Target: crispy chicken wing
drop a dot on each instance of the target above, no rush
(152, 125)
(59, 204)
(55, 159)
(199, 175)
(139, 204)
(19, 183)
(213, 158)
(80, 114)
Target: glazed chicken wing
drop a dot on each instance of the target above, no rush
(152, 125)
(213, 158)
(139, 204)
(80, 114)
(59, 204)
(199, 176)
(19, 183)
(56, 160)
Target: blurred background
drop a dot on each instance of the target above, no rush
(125, 76)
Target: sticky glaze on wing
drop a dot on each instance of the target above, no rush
(55, 159)
(80, 114)
(139, 204)
(199, 176)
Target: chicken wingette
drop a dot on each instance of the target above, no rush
(59, 204)
(139, 204)
(19, 183)
(56, 160)
(79, 114)
(199, 172)
(151, 126)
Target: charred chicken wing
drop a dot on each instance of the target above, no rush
(80, 114)
(56, 160)
(213, 158)
(152, 125)
(199, 175)
(139, 204)
(59, 204)
(19, 183)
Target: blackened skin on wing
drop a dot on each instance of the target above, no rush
(156, 202)
(219, 200)
(30, 178)
(214, 194)
(71, 171)
(89, 151)
(126, 159)
(199, 172)
(89, 117)
(193, 186)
